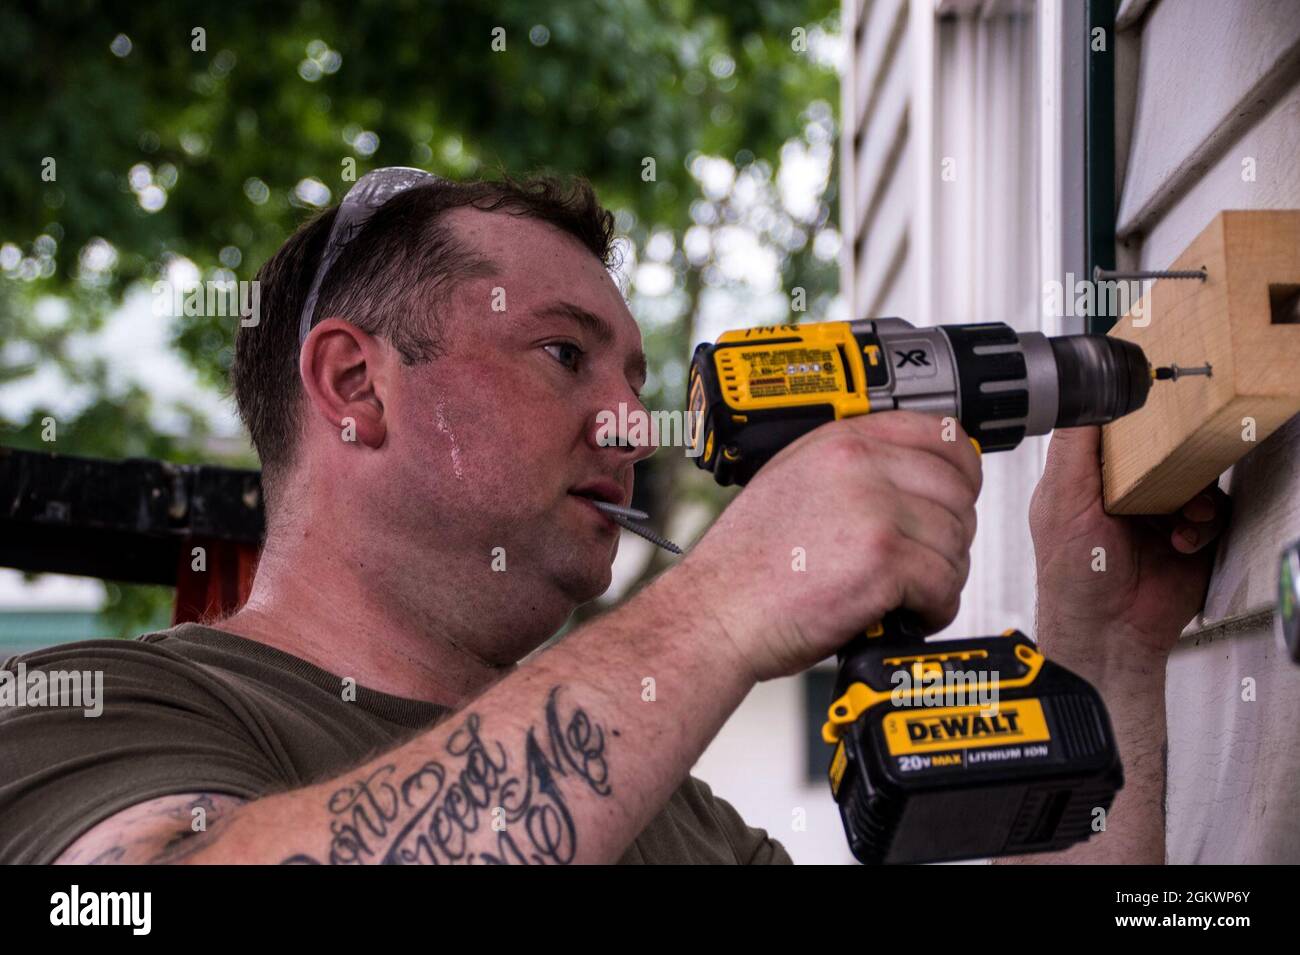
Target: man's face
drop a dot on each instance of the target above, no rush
(496, 439)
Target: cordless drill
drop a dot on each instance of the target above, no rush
(955, 749)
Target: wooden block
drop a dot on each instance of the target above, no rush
(1192, 430)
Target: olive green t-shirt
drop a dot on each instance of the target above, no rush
(194, 709)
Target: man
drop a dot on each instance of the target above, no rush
(423, 390)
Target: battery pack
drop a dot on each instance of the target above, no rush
(967, 749)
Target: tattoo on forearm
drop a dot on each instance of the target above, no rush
(160, 830)
(186, 841)
(480, 804)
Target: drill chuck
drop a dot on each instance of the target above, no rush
(1099, 379)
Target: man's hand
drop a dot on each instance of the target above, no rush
(1142, 578)
(854, 519)
(1113, 595)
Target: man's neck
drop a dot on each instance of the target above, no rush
(311, 602)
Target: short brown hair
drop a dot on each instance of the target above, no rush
(406, 255)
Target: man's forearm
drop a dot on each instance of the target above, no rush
(565, 760)
(1133, 688)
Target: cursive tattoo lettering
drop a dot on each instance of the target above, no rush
(444, 812)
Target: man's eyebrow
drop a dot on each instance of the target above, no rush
(600, 330)
(590, 321)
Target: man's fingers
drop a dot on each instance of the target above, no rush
(924, 432)
(931, 588)
(1200, 521)
(934, 526)
(1202, 508)
(1074, 458)
(934, 478)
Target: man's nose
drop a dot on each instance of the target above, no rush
(624, 430)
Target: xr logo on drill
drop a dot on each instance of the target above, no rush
(916, 356)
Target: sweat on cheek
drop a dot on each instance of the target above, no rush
(440, 422)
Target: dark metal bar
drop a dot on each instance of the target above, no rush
(119, 520)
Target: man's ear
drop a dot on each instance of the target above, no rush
(343, 370)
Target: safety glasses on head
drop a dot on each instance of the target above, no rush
(362, 201)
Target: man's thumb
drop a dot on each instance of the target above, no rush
(1074, 457)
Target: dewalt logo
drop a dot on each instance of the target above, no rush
(965, 727)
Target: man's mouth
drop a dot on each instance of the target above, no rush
(603, 489)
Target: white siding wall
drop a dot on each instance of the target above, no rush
(878, 165)
(1215, 84)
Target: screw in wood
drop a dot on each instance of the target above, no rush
(1102, 275)
(1174, 372)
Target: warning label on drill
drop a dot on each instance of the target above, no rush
(778, 372)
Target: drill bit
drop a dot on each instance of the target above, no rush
(627, 517)
(1174, 372)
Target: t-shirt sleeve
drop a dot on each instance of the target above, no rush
(116, 723)
(752, 846)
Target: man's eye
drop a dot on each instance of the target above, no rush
(565, 353)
